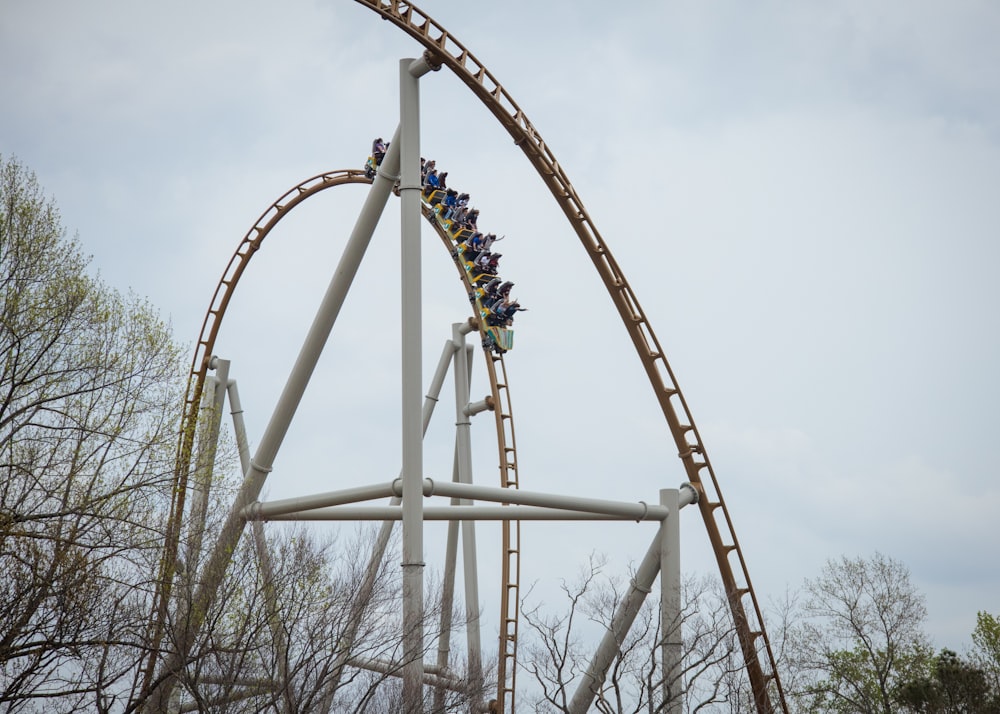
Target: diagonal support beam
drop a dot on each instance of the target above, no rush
(642, 585)
(190, 621)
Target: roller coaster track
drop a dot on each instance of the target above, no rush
(238, 263)
(443, 49)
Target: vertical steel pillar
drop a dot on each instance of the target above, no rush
(412, 440)
(259, 539)
(463, 356)
(470, 568)
(447, 594)
(239, 426)
(213, 402)
(367, 585)
(670, 604)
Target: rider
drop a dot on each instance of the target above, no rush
(378, 150)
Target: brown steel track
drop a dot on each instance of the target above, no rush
(248, 246)
(445, 50)
(510, 569)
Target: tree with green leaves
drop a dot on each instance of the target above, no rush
(89, 387)
(859, 637)
(952, 685)
(986, 647)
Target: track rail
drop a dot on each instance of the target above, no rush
(510, 599)
(200, 364)
(445, 50)
(510, 585)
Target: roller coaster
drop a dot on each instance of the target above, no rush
(442, 50)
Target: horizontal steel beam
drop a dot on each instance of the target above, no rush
(266, 511)
(466, 513)
(525, 505)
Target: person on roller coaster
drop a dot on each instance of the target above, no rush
(490, 295)
(497, 292)
(490, 291)
(431, 182)
(378, 150)
(449, 203)
(458, 215)
(473, 246)
(503, 313)
(482, 261)
(490, 239)
(488, 263)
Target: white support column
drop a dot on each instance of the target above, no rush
(447, 595)
(210, 418)
(470, 568)
(670, 604)
(462, 355)
(257, 531)
(239, 424)
(367, 585)
(412, 439)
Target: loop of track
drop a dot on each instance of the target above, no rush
(443, 49)
(196, 385)
(201, 362)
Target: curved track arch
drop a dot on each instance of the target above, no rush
(196, 384)
(443, 49)
(499, 393)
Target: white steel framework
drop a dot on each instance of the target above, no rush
(407, 493)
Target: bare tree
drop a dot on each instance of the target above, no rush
(557, 645)
(288, 641)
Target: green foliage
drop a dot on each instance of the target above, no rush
(90, 384)
(859, 680)
(986, 644)
(860, 636)
(952, 686)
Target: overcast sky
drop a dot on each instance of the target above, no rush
(804, 197)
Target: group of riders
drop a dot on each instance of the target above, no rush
(473, 247)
